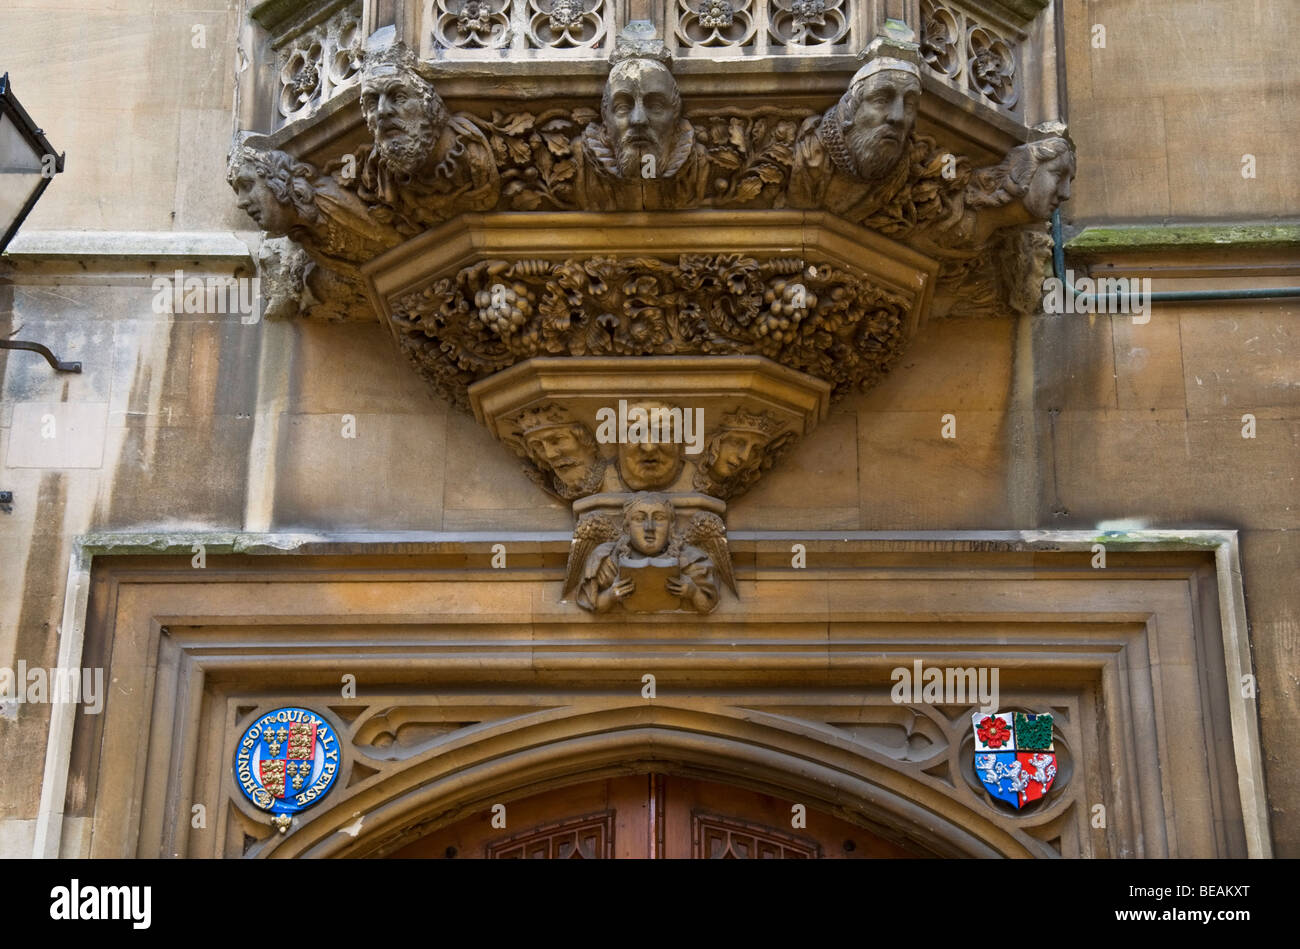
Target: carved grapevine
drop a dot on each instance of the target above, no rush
(818, 319)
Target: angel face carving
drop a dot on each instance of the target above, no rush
(647, 522)
(640, 108)
(648, 565)
(878, 114)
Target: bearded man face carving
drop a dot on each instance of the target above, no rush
(640, 110)
(404, 114)
(878, 118)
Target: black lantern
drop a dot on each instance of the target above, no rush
(27, 163)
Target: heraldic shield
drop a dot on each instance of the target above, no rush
(1014, 755)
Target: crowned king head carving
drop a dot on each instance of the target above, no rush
(876, 115)
(560, 446)
(403, 111)
(641, 109)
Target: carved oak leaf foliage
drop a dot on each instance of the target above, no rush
(750, 154)
(534, 156)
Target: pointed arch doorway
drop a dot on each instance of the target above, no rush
(652, 816)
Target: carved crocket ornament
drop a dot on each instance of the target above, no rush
(643, 154)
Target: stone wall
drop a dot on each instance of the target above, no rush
(1065, 422)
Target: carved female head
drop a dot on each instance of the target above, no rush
(1037, 174)
(273, 188)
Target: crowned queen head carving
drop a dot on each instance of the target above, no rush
(744, 446)
(403, 111)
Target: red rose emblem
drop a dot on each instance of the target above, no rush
(994, 732)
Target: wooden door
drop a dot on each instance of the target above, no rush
(652, 817)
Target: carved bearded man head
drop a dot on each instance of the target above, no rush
(877, 115)
(402, 110)
(641, 108)
(560, 446)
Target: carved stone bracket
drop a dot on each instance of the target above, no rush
(576, 276)
(568, 419)
(806, 290)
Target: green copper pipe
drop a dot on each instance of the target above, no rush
(1166, 296)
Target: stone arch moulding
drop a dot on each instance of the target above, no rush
(799, 765)
(477, 684)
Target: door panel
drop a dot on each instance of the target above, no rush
(652, 816)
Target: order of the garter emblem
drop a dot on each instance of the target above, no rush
(287, 760)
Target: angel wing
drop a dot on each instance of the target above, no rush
(593, 530)
(707, 532)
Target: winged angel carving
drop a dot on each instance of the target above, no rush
(647, 564)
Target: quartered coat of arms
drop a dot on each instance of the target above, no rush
(1014, 755)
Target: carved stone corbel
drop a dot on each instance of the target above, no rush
(649, 552)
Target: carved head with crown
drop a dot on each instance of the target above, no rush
(562, 449)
